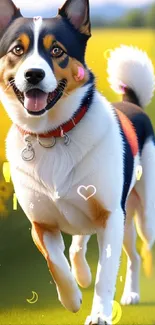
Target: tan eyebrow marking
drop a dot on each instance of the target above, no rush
(24, 38)
(47, 41)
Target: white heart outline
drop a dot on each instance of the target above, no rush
(86, 188)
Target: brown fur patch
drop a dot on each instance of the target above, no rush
(99, 214)
(37, 235)
(47, 41)
(25, 40)
(9, 66)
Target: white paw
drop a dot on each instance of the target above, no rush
(71, 299)
(96, 319)
(132, 298)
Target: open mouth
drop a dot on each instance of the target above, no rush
(36, 101)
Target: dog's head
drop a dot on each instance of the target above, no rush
(40, 58)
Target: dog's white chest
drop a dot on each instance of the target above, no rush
(47, 186)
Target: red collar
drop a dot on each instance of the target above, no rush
(62, 129)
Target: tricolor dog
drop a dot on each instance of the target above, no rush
(66, 135)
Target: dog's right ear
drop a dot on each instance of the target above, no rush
(8, 12)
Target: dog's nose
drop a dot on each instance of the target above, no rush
(34, 76)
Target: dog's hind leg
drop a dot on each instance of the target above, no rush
(80, 267)
(145, 218)
(145, 189)
(131, 290)
(51, 245)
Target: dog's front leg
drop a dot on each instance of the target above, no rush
(80, 267)
(52, 247)
(110, 242)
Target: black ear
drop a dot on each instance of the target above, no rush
(77, 12)
(8, 12)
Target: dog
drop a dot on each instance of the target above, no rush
(67, 139)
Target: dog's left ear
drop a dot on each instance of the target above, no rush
(77, 12)
(8, 12)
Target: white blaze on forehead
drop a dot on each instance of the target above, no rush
(35, 61)
(37, 26)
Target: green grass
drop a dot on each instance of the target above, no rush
(22, 267)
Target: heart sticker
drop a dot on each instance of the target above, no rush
(86, 188)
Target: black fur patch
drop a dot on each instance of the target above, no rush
(128, 164)
(63, 64)
(131, 97)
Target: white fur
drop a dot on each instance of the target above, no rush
(132, 67)
(37, 27)
(146, 191)
(107, 267)
(80, 267)
(131, 293)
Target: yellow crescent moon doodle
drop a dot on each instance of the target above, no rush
(34, 298)
(116, 313)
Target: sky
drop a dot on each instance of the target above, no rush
(42, 4)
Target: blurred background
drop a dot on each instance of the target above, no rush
(22, 268)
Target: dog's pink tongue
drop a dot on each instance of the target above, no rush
(35, 100)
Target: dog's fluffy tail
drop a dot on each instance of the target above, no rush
(131, 73)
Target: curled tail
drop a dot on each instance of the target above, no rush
(131, 73)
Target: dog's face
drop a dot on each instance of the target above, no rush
(39, 58)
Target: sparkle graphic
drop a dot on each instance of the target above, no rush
(139, 172)
(56, 196)
(108, 250)
(121, 278)
(31, 205)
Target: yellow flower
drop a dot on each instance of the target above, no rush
(6, 190)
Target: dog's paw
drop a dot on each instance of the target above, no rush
(131, 298)
(97, 319)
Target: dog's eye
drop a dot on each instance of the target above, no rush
(18, 50)
(57, 52)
